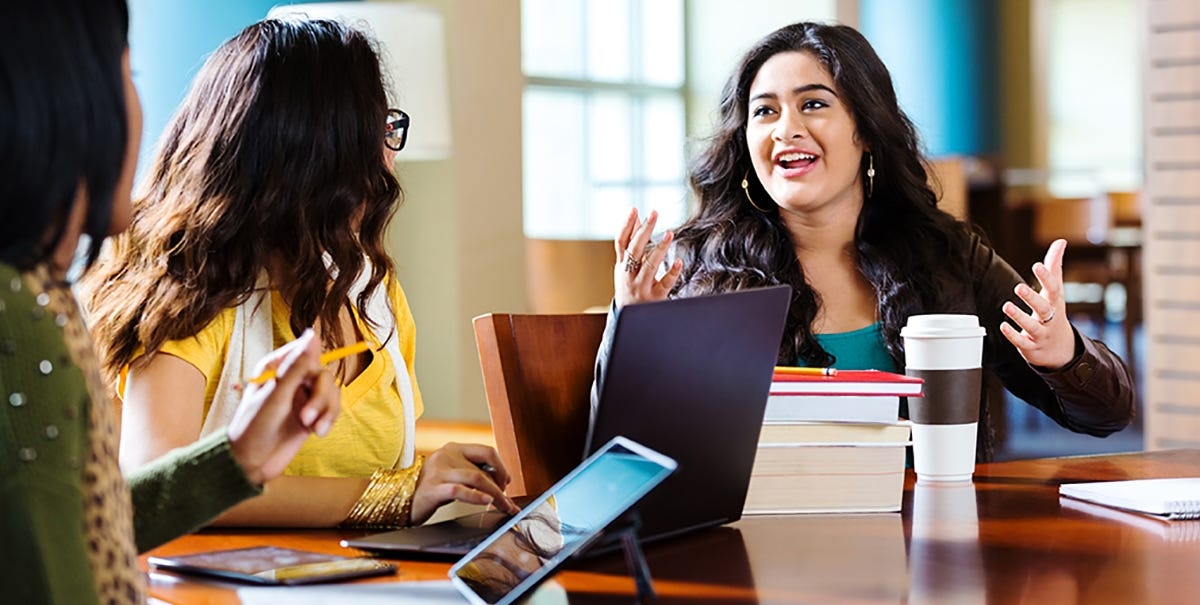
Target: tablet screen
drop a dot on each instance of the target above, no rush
(527, 549)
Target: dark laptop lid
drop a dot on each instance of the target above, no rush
(689, 377)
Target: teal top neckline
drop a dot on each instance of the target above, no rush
(861, 349)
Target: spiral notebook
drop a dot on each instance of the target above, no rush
(1177, 498)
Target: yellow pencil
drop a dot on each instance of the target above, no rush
(326, 357)
(806, 371)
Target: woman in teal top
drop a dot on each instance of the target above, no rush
(69, 136)
(814, 178)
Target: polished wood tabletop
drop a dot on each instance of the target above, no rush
(1005, 538)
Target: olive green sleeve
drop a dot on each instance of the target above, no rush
(186, 489)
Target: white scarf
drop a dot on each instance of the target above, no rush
(252, 340)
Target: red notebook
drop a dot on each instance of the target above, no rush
(847, 382)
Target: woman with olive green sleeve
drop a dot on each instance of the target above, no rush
(66, 513)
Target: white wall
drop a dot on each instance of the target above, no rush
(457, 239)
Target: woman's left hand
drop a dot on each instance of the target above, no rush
(460, 471)
(1046, 339)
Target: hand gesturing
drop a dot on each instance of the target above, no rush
(1046, 338)
(635, 276)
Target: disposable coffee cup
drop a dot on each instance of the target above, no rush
(946, 351)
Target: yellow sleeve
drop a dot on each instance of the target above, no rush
(406, 331)
(206, 350)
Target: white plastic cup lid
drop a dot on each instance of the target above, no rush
(942, 326)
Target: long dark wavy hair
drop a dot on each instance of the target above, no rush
(276, 152)
(906, 246)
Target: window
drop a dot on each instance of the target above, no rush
(1094, 89)
(603, 123)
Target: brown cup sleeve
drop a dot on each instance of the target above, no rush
(948, 396)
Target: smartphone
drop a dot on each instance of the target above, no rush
(273, 565)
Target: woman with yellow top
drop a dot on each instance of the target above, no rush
(265, 213)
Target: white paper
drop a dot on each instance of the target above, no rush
(1174, 498)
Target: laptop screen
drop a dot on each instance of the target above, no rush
(683, 375)
(527, 549)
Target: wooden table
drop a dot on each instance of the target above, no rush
(1004, 539)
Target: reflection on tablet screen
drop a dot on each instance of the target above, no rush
(534, 542)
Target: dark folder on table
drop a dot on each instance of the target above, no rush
(687, 377)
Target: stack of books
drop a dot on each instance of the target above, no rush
(832, 444)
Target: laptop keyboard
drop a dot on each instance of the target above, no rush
(460, 544)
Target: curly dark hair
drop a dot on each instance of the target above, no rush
(276, 152)
(906, 246)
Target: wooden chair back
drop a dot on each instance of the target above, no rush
(537, 373)
(1080, 221)
(1126, 208)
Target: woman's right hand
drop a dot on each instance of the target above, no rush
(635, 276)
(275, 419)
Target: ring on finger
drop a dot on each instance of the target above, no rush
(632, 265)
(1049, 318)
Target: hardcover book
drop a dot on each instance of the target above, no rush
(883, 409)
(799, 478)
(846, 382)
(829, 433)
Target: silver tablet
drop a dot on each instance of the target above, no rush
(534, 543)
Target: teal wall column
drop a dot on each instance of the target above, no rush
(943, 57)
(169, 41)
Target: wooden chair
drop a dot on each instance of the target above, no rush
(1127, 261)
(1126, 208)
(537, 373)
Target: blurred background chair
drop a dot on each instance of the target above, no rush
(537, 373)
(1125, 249)
(1101, 273)
(948, 177)
(1084, 223)
(568, 276)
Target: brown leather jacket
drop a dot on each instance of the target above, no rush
(1093, 394)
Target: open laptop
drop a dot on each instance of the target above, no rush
(689, 377)
(702, 403)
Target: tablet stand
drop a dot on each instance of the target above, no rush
(626, 530)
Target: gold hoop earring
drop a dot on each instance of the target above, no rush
(746, 189)
(870, 175)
